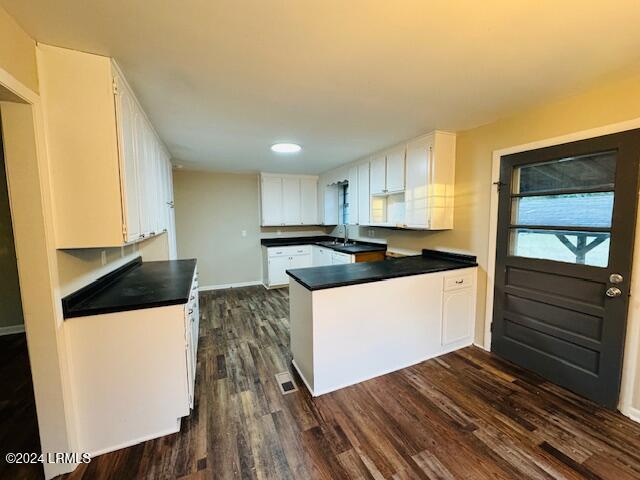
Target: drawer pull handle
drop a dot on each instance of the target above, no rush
(459, 282)
(190, 311)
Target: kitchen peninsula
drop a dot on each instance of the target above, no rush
(353, 322)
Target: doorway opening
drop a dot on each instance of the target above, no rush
(18, 417)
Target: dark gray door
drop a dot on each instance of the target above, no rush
(566, 221)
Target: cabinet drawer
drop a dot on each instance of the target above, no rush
(456, 281)
(289, 251)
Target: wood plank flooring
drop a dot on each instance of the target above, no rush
(466, 415)
(18, 420)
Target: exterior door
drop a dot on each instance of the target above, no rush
(566, 220)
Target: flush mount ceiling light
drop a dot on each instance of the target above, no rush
(286, 147)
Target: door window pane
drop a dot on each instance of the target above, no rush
(596, 170)
(586, 248)
(575, 210)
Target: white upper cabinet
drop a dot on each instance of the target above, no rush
(378, 175)
(291, 201)
(309, 200)
(364, 200)
(126, 121)
(430, 181)
(387, 172)
(271, 195)
(106, 159)
(288, 200)
(395, 170)
(407, 186)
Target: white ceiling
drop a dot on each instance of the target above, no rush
(223, 80)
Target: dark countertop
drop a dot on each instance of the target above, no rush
(327, 242)
(134, 286)
(320, 278)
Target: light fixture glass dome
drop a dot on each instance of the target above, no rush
(286, 147)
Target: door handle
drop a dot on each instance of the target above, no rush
(616, 278)
(613, 292)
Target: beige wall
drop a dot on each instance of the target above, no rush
(212, 210)
(17, 52)
(10, 303)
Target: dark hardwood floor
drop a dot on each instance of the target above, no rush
(18, 421)
(466, 415)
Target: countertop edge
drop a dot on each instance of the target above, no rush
(125, 308)
(349, 283)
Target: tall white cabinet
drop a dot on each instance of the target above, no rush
(430, 169)
(288, 199)
(110, 171)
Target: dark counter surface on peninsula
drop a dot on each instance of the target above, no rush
(319, 278)
(135, 285)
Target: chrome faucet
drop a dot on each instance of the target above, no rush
(346, 234)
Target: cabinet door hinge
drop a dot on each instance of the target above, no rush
(115, 87)
(124, 230)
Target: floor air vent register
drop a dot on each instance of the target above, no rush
(286, 383)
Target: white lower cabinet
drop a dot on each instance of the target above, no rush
(321, 256)
(192, 329)
(458, 307)
(339, 258)
(277, 260)
(133, 373)
(396, 322)
(281, 259)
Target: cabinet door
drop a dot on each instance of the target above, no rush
(171, 219)
(395, 170)
(300, 261)
(143, 167)
(457, 316)
(309, 201)
(364, 200)
(277, 270)
(271, 195)
(316, 256)
(338, 258)
(126, 123)
(416, 194)
(291, 201)
(378, 180)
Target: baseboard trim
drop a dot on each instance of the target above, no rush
(11, 329)
(224, 286)
(295, 365)
(130, 443)
(631, 412)
(451, 348)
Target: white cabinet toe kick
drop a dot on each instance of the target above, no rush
(345, 335)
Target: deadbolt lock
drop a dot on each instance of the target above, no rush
(616, 278)
(613, 292)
